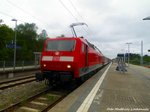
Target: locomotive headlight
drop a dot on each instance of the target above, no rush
(44, 65)
(68, 66)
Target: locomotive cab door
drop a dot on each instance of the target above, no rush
(85, 54)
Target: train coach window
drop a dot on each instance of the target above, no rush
(60, 45)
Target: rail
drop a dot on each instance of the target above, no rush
(50, 96)
(15, 82)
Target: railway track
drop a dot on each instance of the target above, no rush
(40, 102)
(15, 82)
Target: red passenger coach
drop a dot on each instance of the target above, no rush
(68, 58)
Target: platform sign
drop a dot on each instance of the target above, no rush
(120, 55)
(11, 46)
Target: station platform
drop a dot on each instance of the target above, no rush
(111, 91)
(10, 69)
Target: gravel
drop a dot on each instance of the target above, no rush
(18, 93)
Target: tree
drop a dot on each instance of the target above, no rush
(146, 59)
(6, 37)
(135, 59)
(43, 34)
(26, 38)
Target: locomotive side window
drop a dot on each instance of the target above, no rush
(60, 45)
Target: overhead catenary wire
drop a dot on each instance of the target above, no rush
(89, 29)
(28, 13)
(78, 14)
(68, 11)
(71, 12)
(83, 19)
(74, 7)
(6, 14)
(10, 16)
(31, 15)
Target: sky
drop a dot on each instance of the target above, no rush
(111, 23)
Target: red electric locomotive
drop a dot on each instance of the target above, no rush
(67, 58)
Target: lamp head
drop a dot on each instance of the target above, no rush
(14, 19)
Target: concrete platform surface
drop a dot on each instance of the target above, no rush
(118, 92)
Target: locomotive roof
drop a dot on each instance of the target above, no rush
(74, 38)
(69, 38)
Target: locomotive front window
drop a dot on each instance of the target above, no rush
(60, 45)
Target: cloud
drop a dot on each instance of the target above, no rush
(111, 23)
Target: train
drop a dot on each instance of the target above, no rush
(68, 58)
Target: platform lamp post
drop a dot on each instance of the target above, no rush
(1, 21)
(123, 51)
(147, 18)
(14, 65)
(141, 61)
(128, 43)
